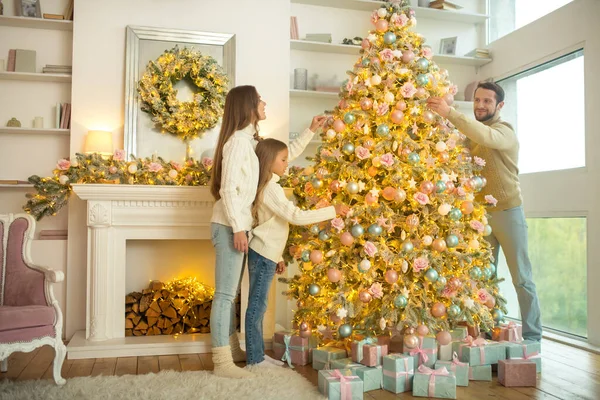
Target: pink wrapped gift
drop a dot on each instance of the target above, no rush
(510, 332)
(291, 348)
(356, 348)
(517, 373)
(373, 354)
(395, 343)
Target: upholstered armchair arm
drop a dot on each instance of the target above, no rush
(53, 276)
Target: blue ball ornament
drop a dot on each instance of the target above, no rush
(498, 315)
(407, 246)
(314, 289)
(375, 230)
(352, 187)
(431, 275)
(357, 231)
(455, 214)
(423, 64)
(441, 282)
(306, 255)
(400, 301)
(383, 130)
(451, 241)
(487, 274)
(440, 186)
(349, 118)
(314, 229)
(389, 38)
(453, 311)
(324, 235)
(348, 148)
(492, 268)
(477, 182)
(366, 62)
(475, 273)
(345, 330)
(413, 158)
(422, 79)
(317, 183)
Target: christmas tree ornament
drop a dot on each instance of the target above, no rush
(397, 116)
(453, 311)
(383, 130)
(346, 239)
(339, 126)
(455, 214)
(451, 241)
(422, 79)
(443, 338)
(306, 255)
(422, 64)
(381, 25)
(375, 230)
(401, 105)
(314, 289)
(334, 275)
(408, 56)
(366, 104)
(475, 273)
(498, 315)
(407, 246)
(357, 231)
(348, 148)
(400, 301)
(317, 183)
(422, 330)
(349, 118)
(389, 38)
(316, 256)
(431, 275)
(345, 330)
(440, 187)
(414, 158)
(314, 229)
(438, 309)
(439, 245)
(487, 230)
(391, 276)
(352, 187)
(324, 235)
(364, 296)
(411, 341)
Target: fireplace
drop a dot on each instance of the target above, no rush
(120, 213)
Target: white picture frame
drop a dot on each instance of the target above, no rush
(29, 8)
(448, 46)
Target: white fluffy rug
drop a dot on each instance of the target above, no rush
(269, 383)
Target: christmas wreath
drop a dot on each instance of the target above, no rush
(184, 119)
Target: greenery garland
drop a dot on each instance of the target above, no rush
(184, 119)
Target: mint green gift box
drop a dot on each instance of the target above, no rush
(323, 356)
(480, 373)
(330, 384)
(398, 372)
(480, 352)
(372, 377)
(345, 363)
(428, 346)
(459, 333)
(527, 349)
(442, 386)
(457, 368)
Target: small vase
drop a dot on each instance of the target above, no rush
(13, 123)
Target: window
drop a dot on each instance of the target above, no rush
(507, 16)
(546, 107)
(557, 250)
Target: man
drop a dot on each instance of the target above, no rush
(495, 141)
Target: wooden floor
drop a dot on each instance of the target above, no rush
(568, 373)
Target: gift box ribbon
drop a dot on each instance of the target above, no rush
(511, 327)
(359, 347)
(433, 373)
(396, 375)
(345, 383)
(456, 363)
(470, 342)
(287, 356)
(421, 352)
(526, 356)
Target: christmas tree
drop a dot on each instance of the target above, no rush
(411, 253)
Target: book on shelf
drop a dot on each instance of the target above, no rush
(479, 53)
(444, 5)
(25, 60)
(57, 69)
(12, 53)
(12, 182)
(294, 28)
(319, 37)
(69, 10)
(54, 16)
(63, 115)
(53, 234)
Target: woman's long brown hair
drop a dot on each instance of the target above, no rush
(266, 151)
(241, 110)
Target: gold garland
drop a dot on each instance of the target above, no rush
(184, 119)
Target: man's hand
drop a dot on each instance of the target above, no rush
(317, 122)
(341, 209)
(280, 269)
(439, 106)
(240, 241)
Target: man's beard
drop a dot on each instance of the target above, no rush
(486, 117)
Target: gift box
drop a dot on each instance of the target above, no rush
(510, 332)
(459, 333)
(323, 356)
(480, 373)
(346, 363)
(472, 330)
(439, 383)
(517, 373)
(395, 343)
(398, 372)
(356, 348)
(291, 348)
(372, 377)
(526, 350)
(373, 353)
(340, 385)
(458, 368)
(479, 351)
(425, 352)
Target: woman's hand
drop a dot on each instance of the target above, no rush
(240, 241)
(317, 122)
(280, 269)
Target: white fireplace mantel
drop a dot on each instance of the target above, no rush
(115, 214)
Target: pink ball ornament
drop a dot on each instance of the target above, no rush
(428, 116)
(376, 62)
(304, 326)
(466, 207)
(397, 116)
(375, 80)
(422, 330)
(364, 296)
(334, 275)
(365, 44)
(316, 256)
(449, 99)
(491, 302)
(400, 196)
(401, 105)
(449, 187)
(411, 341)
(338, 125)
(444, 157)
(370, 199)
(366, 103)
(439, 245)
(408, 56)
(334, 186)
(389, 193)
(381, 25)
(455, 283)
(347, 239)
(305, 334)
(391, 276)
(427, 187)
(443, 337)
(421, 92)
(438, 310)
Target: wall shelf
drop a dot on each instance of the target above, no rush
(461, 60)
(361, 5)
(313, 94)
(306, 45)
(447, 15)
(17, 186)
(36, 23)
(37, 77)
(34, 131)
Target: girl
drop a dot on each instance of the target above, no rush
(233, 185)
(272, 211)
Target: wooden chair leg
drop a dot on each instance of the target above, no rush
(60, 351)
(4, 365)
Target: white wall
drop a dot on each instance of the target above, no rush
(262, 59)
(571, 27)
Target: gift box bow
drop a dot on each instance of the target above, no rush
(345, 383)
(433, 373)
(406, 373)
(421, 352)
(359, 347)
